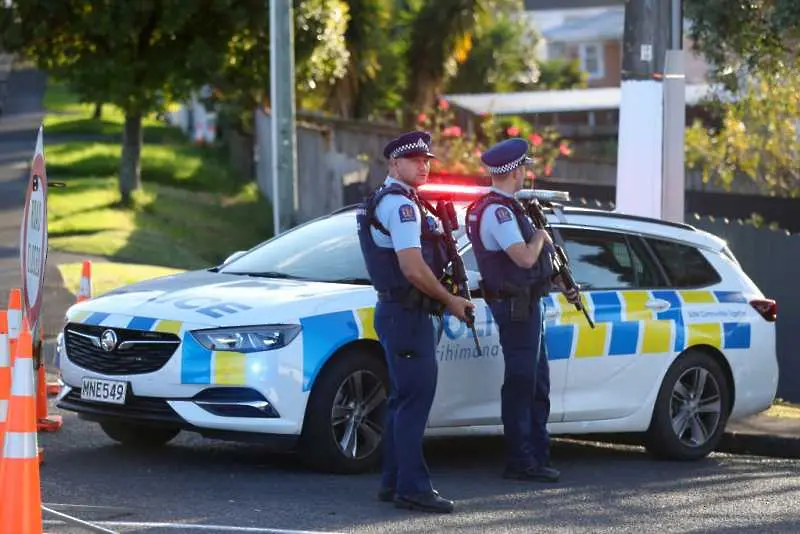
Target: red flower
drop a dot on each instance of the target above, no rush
(548, 170)
(421, 118)
(536, 139)
(513, 131)
(443, 104)
(452, 131)
(565, 150)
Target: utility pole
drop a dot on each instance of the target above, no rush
(674, 178)
(283, 133)
(640, 154)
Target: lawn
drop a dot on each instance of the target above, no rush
(191, 212)
(111, 275)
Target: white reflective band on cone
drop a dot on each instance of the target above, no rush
(5, 361)
(22, 382)
(20, 446)
(3, 410)
(14, 322)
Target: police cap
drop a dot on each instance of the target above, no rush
(506, 156)
(409, 145)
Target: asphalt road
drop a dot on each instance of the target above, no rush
(604, 488)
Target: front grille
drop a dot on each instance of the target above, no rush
(149, 353)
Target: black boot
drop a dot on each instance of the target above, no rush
(538, 474)
(425, 502)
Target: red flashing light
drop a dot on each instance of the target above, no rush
(451, 191)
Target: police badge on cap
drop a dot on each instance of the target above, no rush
(409, 145)
(506, 156)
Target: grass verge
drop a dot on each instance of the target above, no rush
(111, 275)
(191, 212)
(782, 408)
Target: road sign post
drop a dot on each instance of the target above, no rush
(33, 237)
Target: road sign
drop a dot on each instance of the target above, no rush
(33, 236)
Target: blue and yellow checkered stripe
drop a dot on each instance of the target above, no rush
(625, 326)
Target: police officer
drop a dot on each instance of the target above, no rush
(516, 268)
(405, 257)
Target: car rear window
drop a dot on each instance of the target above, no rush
(685, 265)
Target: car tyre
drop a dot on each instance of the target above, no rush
(691, 409)
(138, 436)
(342, 431)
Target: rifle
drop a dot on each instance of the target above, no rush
(560, 262)
(460, 286)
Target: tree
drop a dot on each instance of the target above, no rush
(755, 35)
(136, 55)
(756, 134)
(242, 84)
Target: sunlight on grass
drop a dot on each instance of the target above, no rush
(784, 410)
(111, 275)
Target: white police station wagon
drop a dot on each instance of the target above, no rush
(278, 345)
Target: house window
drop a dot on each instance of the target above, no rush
(556, 51)
(591, 55)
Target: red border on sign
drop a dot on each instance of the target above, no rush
(32, 309)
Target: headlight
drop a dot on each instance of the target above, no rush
(247, 338)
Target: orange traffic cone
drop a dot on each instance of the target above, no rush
(5, 378)
(44, 422)
(14, 318)
(20, 486)
(85, 289)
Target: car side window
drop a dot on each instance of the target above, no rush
(606, 260)
(685, 265)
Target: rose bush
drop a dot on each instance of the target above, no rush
(459, 152)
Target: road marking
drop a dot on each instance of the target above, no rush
(189, 526)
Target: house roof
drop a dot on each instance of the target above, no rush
(532, 102)
(608, 25)
(604, 26)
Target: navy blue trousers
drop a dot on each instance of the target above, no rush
(525, 394)
(409, 339)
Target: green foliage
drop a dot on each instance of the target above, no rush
(756, 135)
(561, 74)
(757, 34)
(503, 55)
(243, 81)
(133, 54)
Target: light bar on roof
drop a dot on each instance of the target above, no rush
(454, 191)
(547, 195)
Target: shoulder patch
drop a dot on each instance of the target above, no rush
(407, 213)
(503, 214)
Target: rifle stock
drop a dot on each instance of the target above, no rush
(561, 261)
(447, 215)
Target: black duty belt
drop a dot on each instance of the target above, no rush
(393, 295)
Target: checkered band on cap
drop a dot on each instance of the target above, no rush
(416, 147)
(507, 167)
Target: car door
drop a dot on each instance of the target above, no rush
(608, 366)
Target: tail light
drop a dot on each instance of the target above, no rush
(768, 308)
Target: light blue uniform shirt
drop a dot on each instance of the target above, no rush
(401, 217)
(499, 226)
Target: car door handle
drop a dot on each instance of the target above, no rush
(657, 304)
(550, 313)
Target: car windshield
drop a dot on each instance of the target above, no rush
(324, 250)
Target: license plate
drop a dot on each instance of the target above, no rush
(99, 390)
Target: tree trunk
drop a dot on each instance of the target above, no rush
(98, 110)
(130, 171)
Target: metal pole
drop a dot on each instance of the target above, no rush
(674, 180)
(282, 115)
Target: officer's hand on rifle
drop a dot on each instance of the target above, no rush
(545, 236)
(573, 295)
(460, 307)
